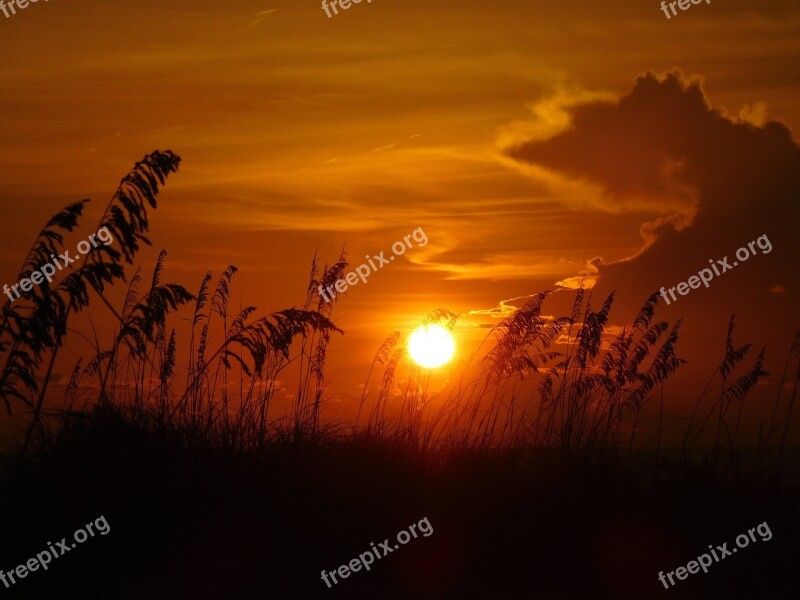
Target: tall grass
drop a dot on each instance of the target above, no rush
(566, 383)
(524, 391)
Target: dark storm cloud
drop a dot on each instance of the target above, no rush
(706, 184)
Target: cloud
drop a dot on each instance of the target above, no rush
(260, 16)
(705, 184)
(579, 281)
(394, 144)
(600, 152)
(503, 309)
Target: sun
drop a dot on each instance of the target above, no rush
(431, 346)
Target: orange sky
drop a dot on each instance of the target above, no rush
(300, 133)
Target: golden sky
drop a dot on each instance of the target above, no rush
(497, 127)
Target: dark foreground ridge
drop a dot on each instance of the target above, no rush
(191, 521)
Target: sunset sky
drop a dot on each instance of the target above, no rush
(527, 139)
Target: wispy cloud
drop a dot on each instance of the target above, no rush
(393, 145)
(264, 14)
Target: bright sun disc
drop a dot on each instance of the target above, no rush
(431, 346)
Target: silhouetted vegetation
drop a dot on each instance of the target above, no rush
(528, 463)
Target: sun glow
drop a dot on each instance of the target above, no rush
(431, 346)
